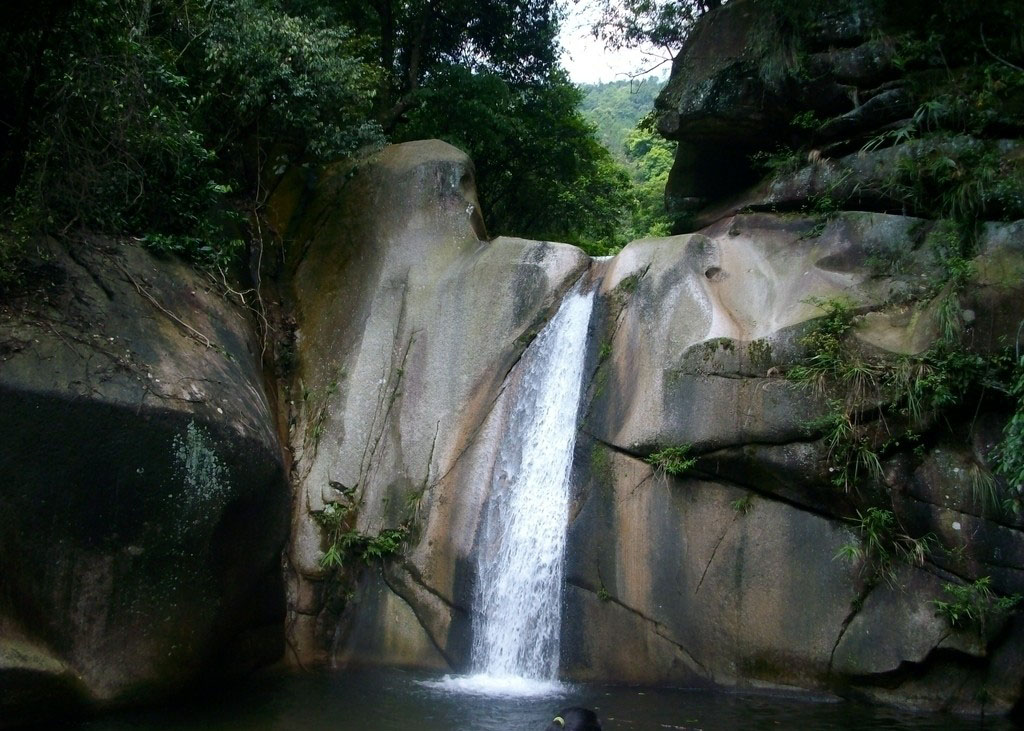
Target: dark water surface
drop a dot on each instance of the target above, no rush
(388, 700)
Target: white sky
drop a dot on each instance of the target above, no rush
(587, 60)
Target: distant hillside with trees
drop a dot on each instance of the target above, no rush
(621, 112)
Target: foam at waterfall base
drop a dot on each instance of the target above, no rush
(508, 686)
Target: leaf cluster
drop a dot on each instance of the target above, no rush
(975, 605)
(674, 460)
(346, 545)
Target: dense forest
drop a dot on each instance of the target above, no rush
(167, 120)
(622, 113)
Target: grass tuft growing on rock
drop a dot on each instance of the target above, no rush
(673, 461)
(883, 546)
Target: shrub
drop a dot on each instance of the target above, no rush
(974, 606)
(674, 461)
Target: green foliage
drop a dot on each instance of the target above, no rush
(287, 80)
(673, 460)
(414, 40)
(962, 180)
(622, 114)
(744, 504)
(939, 378)
(883, 546)
(980, 45)
(913, 388)
(851, 452)
(1010, 453)
(649, 160)
(148, 118)
(540, 170)
(779, 163)
(346, 545)
(616, 108)
(662, 23)
(824, 342)
(807, 121)
(974, 606)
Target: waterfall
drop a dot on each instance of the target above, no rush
(517, 606)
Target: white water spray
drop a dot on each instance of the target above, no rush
(518, 601)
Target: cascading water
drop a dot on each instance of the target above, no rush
(517, 605)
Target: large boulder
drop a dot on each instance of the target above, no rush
(143, 505)
(747, 70)
(693, 338)
(409, 325)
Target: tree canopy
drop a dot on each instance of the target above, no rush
(663, 23)
(621, 112)
(160, 119)
(140, 117)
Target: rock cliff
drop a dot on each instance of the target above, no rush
(731, 573)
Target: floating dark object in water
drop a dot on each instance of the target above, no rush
(575, 719)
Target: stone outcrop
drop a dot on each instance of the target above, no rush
(744, 74)
(144, 502)
(833, 89)
(730, 575)
(409, 322)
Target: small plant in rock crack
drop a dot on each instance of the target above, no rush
(674, 461)
(851, 455)
(345, 544)
(883, 546)
(743, 505)
(827, 360)
(1010, 453)
(974, 606)
(356, 546)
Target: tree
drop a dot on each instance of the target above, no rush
(411, 39)
(663, 23)
(541, 171)
(145, 114)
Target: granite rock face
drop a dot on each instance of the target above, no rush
(733, 573)
(144, 501)
(730, 575)
(409, 324)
